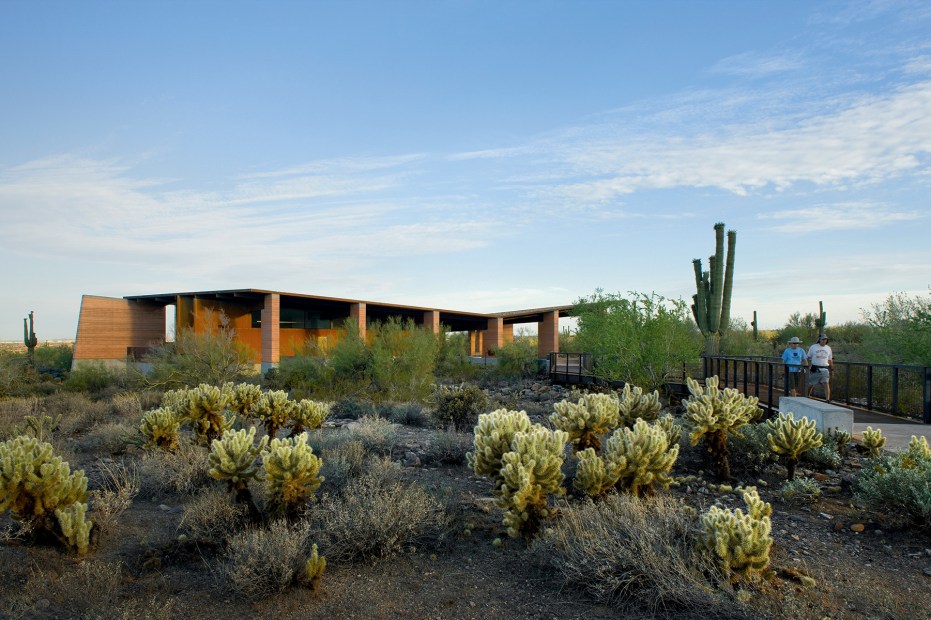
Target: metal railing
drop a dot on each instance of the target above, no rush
(889, 388)
(897, 389)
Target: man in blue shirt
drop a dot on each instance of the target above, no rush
(795, 357)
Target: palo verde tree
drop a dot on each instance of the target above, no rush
(712, 301)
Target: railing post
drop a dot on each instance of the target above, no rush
(785, 380)
(769, 398)
(869, 387)
(847, 384)
(756, 379)
(895, 390)
(746, 365)
(927, 395)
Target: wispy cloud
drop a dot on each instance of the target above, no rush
(840, 217)
(754, 64)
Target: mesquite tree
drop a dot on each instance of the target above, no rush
(712, 302)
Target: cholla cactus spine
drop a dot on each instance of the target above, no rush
(530, 472)
(635, 404)
(585, 421)
(493, 435)
(873, 440)
(160, 428)
(75, 528)
(291, 473)
(308, 414)
(712, 413)
(739, 542)
(273, 408)
(314, 568)
(36, 485)
(789, 438)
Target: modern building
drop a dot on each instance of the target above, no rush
(275, 324)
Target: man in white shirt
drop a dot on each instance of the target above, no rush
(821, 365)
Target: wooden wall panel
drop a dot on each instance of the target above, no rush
(107, 326)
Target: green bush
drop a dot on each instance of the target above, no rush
(214, 357)
(452, 361)
(898, 483)
(96, 378)
(800, 491)
(459, 406)
(637, 339)
(403, 357)
(517, 359)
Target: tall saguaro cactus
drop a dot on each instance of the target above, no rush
(29, 337)
(712, 302)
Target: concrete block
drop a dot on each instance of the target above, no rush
(827, 416)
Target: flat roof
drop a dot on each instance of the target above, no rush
(456, 319)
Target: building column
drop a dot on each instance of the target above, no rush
(431, 321)
(548, 334)
(508, 334)
(357, 317)
(271, 332)
(494, 335)
(475, 343)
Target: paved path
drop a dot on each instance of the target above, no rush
(898, 432)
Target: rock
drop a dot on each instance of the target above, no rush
(825, 515)
(838, 526)
(857, 527)
(927, 571)
(822, 477)
(164, 508)
(411, 460)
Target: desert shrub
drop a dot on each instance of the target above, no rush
(408, 414)
(459, 406)
(823, 457)
(13, 413)
(899, 483)
(631, 553)
(118, 485)
(108, 438)
(213, 356)
(304, 373)
(799, 491)
(211, 516)
(517, 359)
(262, 562)
(352, 408)
(351, 362)
(748, 449)
(374, 518)
(182, 471)
(376, 434)
(638, 338)
(126, 405)
(901, 330)
(89, 589)
(79, 413)
(53, 359)
(453, 357)
(403, 356)
(96, 378)
(341, 461)
(448, 447)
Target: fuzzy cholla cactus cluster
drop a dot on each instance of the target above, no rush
(242, 396)
(234, 457)
(291, 473)
(712, 413)
(873, 440)
(524, 460)
(789, 438)
(273, 409)
(308, 415)
(39, 488)
(633, 460)
(634, 404)
(740, 542)
(160, 428)
(585, 421)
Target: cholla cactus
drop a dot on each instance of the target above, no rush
(233, 458)
(841, 439)
(308, 414)
(712, 413)
(178, 401)
(633, 461)
(291, 474)
(273, 409)
(739, 542)
(493, 435)
(314, 568)
(530, 472)
(635, 404)
(206, 413)
(36, 485)
(242, 396)
(75, 528)
(873, 440)
(672, 429)
(918, 448)
(160, 428)
(789, 438)
(585, 421)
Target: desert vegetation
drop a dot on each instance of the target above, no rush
(388, 478)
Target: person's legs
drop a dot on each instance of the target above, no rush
(827, 390)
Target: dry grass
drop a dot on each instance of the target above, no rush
(118, 486)
(376, 434)
(212, 516)
(181, 471)
(375, 517)
(108, 438)
(88, 590)
(448, 447)
(342, 462)
(262, 562)
(633, 554)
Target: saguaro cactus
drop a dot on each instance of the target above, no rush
(29, 337)
(712, 302)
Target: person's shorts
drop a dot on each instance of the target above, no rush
(816, 376)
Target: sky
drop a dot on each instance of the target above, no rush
(470, 155)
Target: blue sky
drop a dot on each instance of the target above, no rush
(472, 155)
